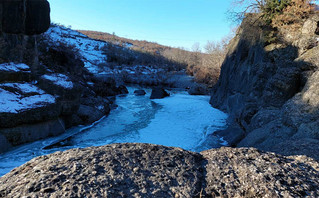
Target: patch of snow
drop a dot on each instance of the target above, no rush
(15, 103)
(128, 45)
(101, 107)
(89, 49)
(25, 88)
(13, 67)
(59, 79)
(90, 83)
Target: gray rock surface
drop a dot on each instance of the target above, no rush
(118, 170)
(232, 135)
(249, 173)
(144, 170)
(29, 132)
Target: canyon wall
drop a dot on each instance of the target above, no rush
(270, 89)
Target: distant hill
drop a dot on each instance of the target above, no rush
(202, 66)
(124, 42)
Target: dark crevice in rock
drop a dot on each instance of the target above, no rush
(317, 30)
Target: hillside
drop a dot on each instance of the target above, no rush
(205, 67)
(151, 47)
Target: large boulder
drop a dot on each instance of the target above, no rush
(89, 114)
(106, 87)
(122, 90)
(24, 16)
(158, 93)
(144, 170)
(139, 92)
(198, 89)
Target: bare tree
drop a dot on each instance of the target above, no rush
(240, 7)
(196, 47)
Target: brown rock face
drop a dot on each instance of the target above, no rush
(144, 170)
(24, 16)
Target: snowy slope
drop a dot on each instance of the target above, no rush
(92, 53)
(88, 48)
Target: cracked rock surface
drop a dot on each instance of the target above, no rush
(145, 170)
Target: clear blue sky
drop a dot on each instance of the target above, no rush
(178, 23)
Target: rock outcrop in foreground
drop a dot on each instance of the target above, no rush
(144, 170)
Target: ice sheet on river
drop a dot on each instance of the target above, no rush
(181, 120)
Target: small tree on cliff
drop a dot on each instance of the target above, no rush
(273, 12)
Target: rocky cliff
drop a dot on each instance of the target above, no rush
(270, 88)
(144, 170)
(24, 16)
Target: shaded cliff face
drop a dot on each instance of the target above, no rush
(271, 90)
(27, 17)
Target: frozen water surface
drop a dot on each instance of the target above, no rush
(180, 120)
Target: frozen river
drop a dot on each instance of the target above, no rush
(180, 120)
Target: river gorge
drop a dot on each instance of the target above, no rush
(181, 120)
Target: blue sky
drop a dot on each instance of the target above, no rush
(178, 23)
